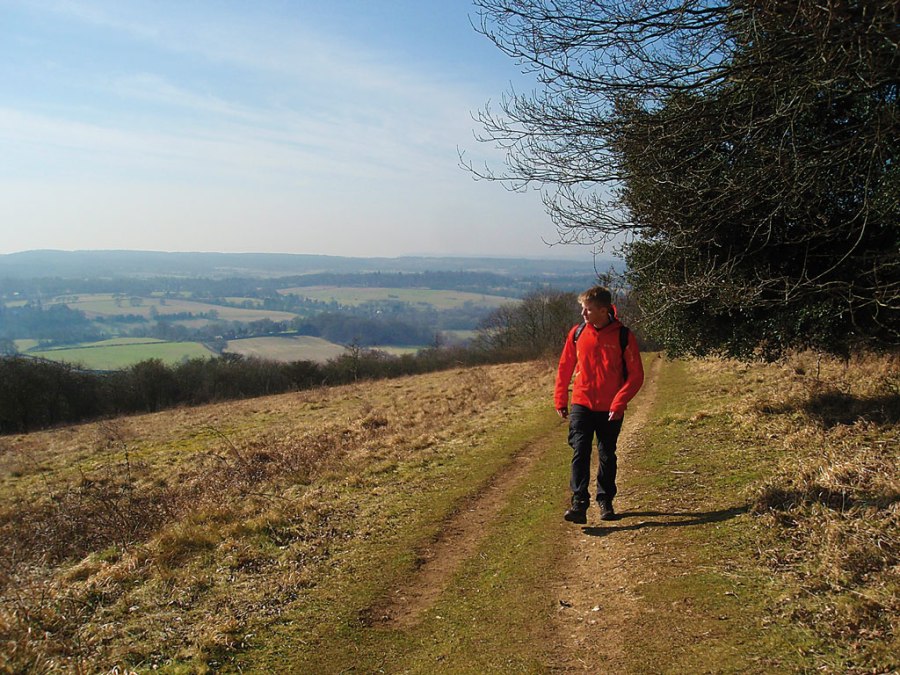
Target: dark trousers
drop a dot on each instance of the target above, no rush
(584, 424)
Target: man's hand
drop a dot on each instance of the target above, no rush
(563, 412)
(613, 415)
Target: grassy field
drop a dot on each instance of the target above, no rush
(400, 351)
(105, 304)
(287, 348)
(460, 335)
(26, 344)
(239, 300)
(420, 296)
(414, 525)
(123, 352)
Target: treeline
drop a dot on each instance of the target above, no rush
(332, 326)
(36, 393)
(365, 331)
(52, 324)
(430, 318)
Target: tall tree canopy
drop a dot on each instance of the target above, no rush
(748, 149)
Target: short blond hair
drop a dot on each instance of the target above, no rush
(597, 295)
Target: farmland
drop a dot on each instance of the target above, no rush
(109, 305)
(286, 348)
(439, 299)
(26, 344)
(263, 317)
(172, 326)
(122, 352)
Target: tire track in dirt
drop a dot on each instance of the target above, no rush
(595, 599)
(458, 540)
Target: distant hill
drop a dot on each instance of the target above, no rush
(93, 264)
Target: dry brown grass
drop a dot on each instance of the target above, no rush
(830, 515)
(168, 535)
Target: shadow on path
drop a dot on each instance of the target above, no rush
(684, 519)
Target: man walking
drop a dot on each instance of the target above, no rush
(605, 359)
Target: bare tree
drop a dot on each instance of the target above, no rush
(536, 325)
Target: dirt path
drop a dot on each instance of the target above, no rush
(458, 540)
(595, 598)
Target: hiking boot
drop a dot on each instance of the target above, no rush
(576, 515)
(607, 512)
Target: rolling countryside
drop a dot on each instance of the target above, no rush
(492, 336)
(174, 326)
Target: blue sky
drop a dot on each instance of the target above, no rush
(327, 127)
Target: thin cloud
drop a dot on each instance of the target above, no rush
(370, 112)
(206, 116)
(247, 41)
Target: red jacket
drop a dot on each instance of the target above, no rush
(596, 360)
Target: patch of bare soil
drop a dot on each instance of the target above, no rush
(595, 598)
(458, 540)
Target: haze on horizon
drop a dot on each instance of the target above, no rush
(279, 126)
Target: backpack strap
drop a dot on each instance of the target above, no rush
(623, 343)
(578, 332)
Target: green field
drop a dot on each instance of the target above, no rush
(420, 296)
(399, 351)
(286, 348)
(256, 302)
(123, 352)
(101, 305)
(25, 344)
(459, 335)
